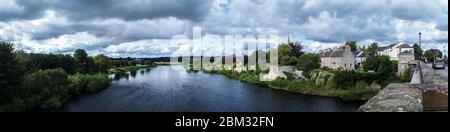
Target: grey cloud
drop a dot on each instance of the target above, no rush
(193, 10)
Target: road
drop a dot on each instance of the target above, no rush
(442, 72)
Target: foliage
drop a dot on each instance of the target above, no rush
(360, 91)
(345, 79)
(418, 52)
(372, 50)
(82, 83)
(285, 55)
(432, 55)
(406, 75)
(296, 49)
(9, 75)
(85, 64)
(102, 63)
(380, 64)
(308, 62)
(352, 44)
(45, 89)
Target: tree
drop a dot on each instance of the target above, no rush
(308, 62)
(381, 64)
(85, 63)
(432, 55)
(9, 75)
(45, 89)
(418, 52)
(372, 50)
(102, 63)
(352, 44)
(285, 55)
(296, 48)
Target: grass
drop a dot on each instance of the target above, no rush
(358, 92)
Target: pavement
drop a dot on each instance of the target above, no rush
(441, 72)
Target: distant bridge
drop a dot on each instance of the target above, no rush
(428, 91)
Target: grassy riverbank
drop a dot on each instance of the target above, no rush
(358, 92)
(129, 68)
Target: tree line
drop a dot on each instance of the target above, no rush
(30, 81)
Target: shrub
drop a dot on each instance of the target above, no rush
(39, 89)
(97, 83)
(345, 79)
(88, 83)
(360, 91)
(52, 103)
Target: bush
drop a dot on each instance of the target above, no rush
(88, 83)
(97, 83)
(40, 88)
(52, 103)
(345, 79)
(360, 91)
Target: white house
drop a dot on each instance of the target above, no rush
(394, 50)
(360, 57)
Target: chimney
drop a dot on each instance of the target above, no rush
(348, 48)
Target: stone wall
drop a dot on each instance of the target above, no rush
(395, 97)
(430, 95)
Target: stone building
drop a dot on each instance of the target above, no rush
(338, 58)
(403, 61)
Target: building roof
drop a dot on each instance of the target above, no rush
(393, 45)
(407, 52)
(361, 54)
(405, 46)
(386, 47)
(332, 53)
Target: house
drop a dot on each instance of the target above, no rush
(360, 57)
(394, 50)
(338, 58)
(404, 59)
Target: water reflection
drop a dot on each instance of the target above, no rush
(133, 73)
(168, 89)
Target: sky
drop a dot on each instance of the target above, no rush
(143, 28)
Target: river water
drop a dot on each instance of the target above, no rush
(173, 89)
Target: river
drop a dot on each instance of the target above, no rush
(172, 89)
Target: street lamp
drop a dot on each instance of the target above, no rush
(420, 39)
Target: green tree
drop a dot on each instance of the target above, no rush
(9, 75)
(418, 52)
(85, 63)
(45, 89)
(381, 64)
(102, 63)
(372, 50)
(296, 49)
(285, 55)
(352, 44)
(430, 56)
(308, 62)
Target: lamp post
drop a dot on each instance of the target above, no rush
(420, 39)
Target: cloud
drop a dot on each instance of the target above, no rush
(112, 24)
(102, 9)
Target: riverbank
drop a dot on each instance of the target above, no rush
(359, 92)
(171, 89)
(122, 70)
